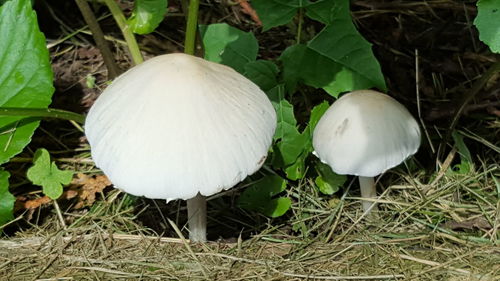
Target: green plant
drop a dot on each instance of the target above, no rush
(45, 173)
(336, 59)
(147, 15)
(26, 91)
(487, 23)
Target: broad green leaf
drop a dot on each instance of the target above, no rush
(6, 199)
(297, 170)
(260, 197)
(25, 74)
(295, 151)
(147, 15)
(316, 114)
(46, 174)
(327, 181)
(287, 125)
(291, 143)
(304, 65)
(228, 45)
(326, 11)
(277, 12)
(291, 147)
(341, 42)
(488, 23)
(347, 80)
(263, 73)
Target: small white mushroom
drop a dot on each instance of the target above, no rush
(365, 133)
(180, 127)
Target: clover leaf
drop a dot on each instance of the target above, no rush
(46, 174)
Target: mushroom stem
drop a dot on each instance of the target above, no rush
(197, 218)
(367, 185)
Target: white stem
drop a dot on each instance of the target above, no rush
(368, 190)
(197, 218)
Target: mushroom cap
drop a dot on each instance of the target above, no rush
(365, 133)
(177, 125)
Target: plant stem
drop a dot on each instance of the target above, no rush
(299, 27)
(42, 112)
(367, 185)
(191, 26)
(197, 218)
(133, 47)
(102, 45)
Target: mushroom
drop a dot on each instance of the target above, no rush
(365, 133)
(180, 127)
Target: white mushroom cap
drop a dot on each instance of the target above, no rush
(365, 133)
(177, 125)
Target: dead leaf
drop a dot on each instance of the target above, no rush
(87, 187)
(470, 224)
(37, 202)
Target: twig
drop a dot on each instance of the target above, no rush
(42, 112)
(102, 45)
(191, 27)
(133, 47)
(59, 214)
(433, 263)
(36, 241)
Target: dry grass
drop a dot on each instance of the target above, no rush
(444, 230)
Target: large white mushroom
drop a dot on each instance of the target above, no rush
(180, 127)
(365, 133)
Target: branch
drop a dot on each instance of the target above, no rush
(42, 112)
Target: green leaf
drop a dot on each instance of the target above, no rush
(6, 199)
(294, 151)
(325, 11)
(302, 64)
(297, 170)
(228, 45)
(147, 15)
(316, 114)
(488, 23)
(305, 65)
(341, 42)
(46, 174)
(327, 181)
(260, 197)
(277, 12)
(263, 73)
(25, 74)
(347, 80)
(291, 143)
(291, 147)
(466, 164)
(287, 125)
